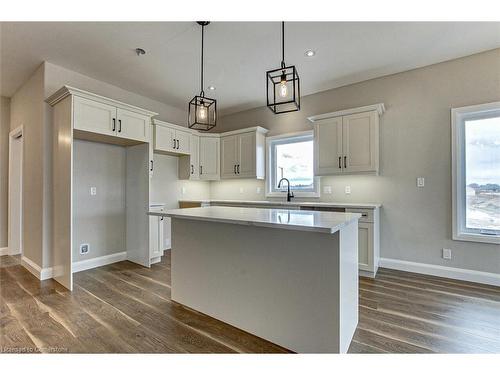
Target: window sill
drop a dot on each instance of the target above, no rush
(476, 238)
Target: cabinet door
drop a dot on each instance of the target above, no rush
(182, 142)
(132, 125)
(194, 167)
(328, 147)
(360, 143)
(154, 244)
(229, 157)
(164, 138)
(209, 158)
(246, 155)
(365, 246)
(94, 116)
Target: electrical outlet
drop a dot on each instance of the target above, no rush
(183, 190)
(84, 248)
(446, 253)
(420, 182)
(242, 190)
(93, 190)
(347, 189)
(327, 189)
(258, 190)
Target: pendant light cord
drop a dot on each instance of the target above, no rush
(283, 44)
(202, 93)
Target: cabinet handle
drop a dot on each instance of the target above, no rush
(151, 166)
(235, 169)
(192, 169)
(238, 169)
(340, 162)
(114, 124)
(174, 144)
(161, 218)
(119, 126)
(178, 144)
(201, 169)
(345, 161)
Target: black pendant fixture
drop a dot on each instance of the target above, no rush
(202, 111)
(282, 84)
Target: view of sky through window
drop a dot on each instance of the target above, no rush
(482, 171)
(295, 162)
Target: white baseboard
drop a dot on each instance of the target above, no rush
(35, 269)
(4, 251)
(87, 264)
(442, 271)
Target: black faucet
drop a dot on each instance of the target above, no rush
(289, 195)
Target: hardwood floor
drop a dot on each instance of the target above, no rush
(124, 308)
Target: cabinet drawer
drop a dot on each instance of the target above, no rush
(366, 214)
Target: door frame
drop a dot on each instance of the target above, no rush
(15, 134)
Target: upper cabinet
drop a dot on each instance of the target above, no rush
(347, 142)
(115, 122)
(189, 165)
(243, 153)
(170, 138)
(209, 157)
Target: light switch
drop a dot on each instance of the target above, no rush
(420, 182)
(446, 253)
(327, 189)
(93, 190)
(348, 189)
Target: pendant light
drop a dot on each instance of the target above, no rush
(282, 84)
(202, 111)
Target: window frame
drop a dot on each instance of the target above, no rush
(458, 118)
(270, 171)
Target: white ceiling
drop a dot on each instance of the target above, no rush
(237, 54)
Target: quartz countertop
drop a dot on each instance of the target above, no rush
(311, 221)
(293, 203)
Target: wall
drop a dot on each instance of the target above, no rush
(26, 108)
(98, 220)
(415, 141)
(4, 167)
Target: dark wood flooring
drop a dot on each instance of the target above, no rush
(123, 308)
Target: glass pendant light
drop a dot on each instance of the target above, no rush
(283, 85)
(202, 111)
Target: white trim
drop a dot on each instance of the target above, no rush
(379, 107)
(15, 134)
(257, 129)
(87, 264)
(442, 271)
(65, 91)
(269, 191)
(459, 232)
(36, 270)
(4, 251)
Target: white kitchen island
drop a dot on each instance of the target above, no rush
(288, 276)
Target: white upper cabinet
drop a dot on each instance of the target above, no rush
(189, 165)
(347, 142)
(133, 125)
(209, 158)
(243, 153)
(96, 116)
(170, 138)
(93, 116)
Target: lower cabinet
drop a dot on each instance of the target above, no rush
(155, 238)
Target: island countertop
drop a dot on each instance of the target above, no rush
(311, 221)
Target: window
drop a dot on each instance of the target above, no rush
(476, 173)
(291, 156)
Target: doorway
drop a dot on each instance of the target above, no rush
(15, 218)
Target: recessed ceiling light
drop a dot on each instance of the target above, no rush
(310, 53)
(211, 88)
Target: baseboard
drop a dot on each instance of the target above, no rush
(442, 271)
(4, 251)
(87, 264)
(36, 270)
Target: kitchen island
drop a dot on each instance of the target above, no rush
(288, 276)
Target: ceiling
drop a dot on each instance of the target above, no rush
(237, 54)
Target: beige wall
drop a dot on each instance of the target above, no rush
(98, 220)
(4, 167)
(415, 141)
(26, 108)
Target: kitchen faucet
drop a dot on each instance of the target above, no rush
(289, 195)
